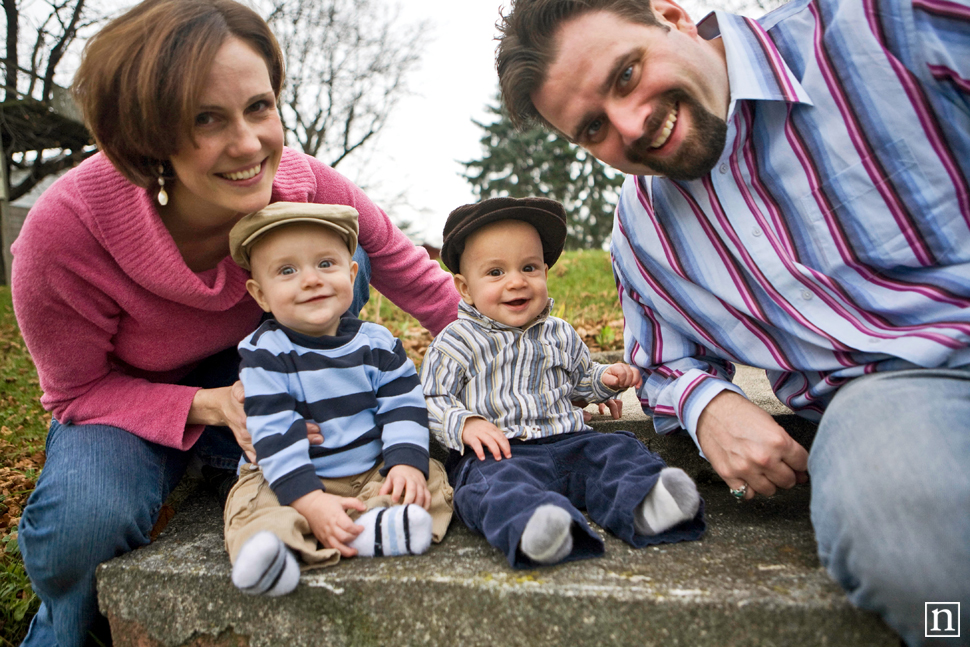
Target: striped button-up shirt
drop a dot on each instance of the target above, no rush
(832, 238)
(520, 380)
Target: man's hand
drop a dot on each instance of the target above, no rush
(328, 519)
(621, 376)
(479, 434)
(745, 445)
(407, 482)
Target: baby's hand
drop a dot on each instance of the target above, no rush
(407, 482)
(478, 434)
(621, 376)
(328, 519)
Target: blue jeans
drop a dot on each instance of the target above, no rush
(890, 468)
(607, 475)
(99, 495)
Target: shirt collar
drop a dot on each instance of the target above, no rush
(346, 330)
(756, 70)
(471, 313)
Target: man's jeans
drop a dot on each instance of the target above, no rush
(99, 495)
(890, 469)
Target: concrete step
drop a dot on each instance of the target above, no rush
(754, 579)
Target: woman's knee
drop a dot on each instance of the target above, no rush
(64, 534)
(97, 497)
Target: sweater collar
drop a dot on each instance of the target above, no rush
(123, 218)
(347, 329)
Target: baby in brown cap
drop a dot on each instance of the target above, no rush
(371, 488)
(501, 380)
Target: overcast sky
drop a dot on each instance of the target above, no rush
(432, 130)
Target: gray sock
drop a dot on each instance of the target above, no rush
(548, 536)
(265, 566)
(673, 500)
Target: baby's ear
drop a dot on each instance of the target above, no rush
(353, 271)
(256, 293)
(462, 286)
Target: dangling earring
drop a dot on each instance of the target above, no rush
(162, 195)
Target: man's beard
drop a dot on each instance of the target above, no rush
(698, 152)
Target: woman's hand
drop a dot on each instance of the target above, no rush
(223, 407)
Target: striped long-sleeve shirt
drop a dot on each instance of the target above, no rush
(520, 380)
(358, 385)
(832, 239)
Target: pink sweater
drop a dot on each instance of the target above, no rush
(112, 315)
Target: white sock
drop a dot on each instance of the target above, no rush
(265, 566)
(548, 536)
(399, 530)
(673, 500)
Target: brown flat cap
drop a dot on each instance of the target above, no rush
(339, 217)
(547, 216)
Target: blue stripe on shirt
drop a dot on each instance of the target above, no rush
(832, 239)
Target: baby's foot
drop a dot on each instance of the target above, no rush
(399, 530)
(265, 566)
(673, 500)
(548, 536)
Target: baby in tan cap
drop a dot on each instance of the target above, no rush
(371, 489)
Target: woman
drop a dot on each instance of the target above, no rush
(127, 297)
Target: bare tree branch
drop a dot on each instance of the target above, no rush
(28, 122)
(11, 61)
(347, 63)
(67, 35)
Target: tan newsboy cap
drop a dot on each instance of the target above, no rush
(339, 217)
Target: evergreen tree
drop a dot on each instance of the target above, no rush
(540, 163)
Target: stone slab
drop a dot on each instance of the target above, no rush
(754, 579)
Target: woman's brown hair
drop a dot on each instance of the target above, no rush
(140, 78)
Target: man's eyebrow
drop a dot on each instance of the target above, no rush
(619, 64)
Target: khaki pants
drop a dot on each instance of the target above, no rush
(252, 507)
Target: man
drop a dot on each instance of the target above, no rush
(798, 200)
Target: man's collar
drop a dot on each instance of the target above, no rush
(756, 70)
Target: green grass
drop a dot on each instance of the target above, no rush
(581, 283)
(23, 427)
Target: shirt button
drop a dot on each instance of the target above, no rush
(723, 168)
(755, 232)
(807, 294)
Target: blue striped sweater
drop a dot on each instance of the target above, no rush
(358, 385)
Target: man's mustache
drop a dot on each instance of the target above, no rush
(638, 151)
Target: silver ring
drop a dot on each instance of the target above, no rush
(740, 492)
